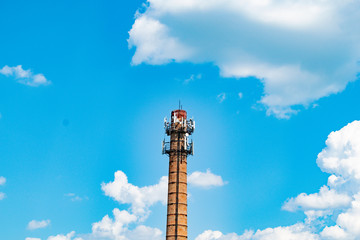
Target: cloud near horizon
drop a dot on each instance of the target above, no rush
(300, 50)
(333, 213)
(140, 199)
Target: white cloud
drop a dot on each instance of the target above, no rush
(331, 214)
(25, 76)
(30, 238)
(342, 153)
(34, 224)
(69, 236)
(18, 71)
(2, 180)
(300, 50)
(127, 225)
(334, 233)
(350, 220)
(341, 158)
(325, 199)
(144, 233)
(140, 198)
(221, 97)
(154, 43)
(294, 232)
(240, 95)
(108, 227)
(209, 235)
(192, 78)
(117, 228)
(205, 180)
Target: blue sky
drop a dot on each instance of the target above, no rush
(97, 78)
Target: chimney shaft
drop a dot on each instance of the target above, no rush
(179, 129)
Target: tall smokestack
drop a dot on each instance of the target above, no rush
(178, 149)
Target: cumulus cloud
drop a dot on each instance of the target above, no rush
(69, 236)
(341, 159)
(205, 179)
(294, 232)
(128, 224)
(333, 213)
(300, 50)
(154, 43)
(208, 235)
(140, 198)
(324, 200)
(26, 77)
(117, 228)
(30, 238)
(336, 206)
(342, 153)
(34, 224)
(350, 219)
(110, 227)
(334, 232)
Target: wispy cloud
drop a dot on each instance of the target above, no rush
(34, 224)
(26, 77)
(2, 195)
(221, 97)
(2, 180)
(75, 198)
(192, 78)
